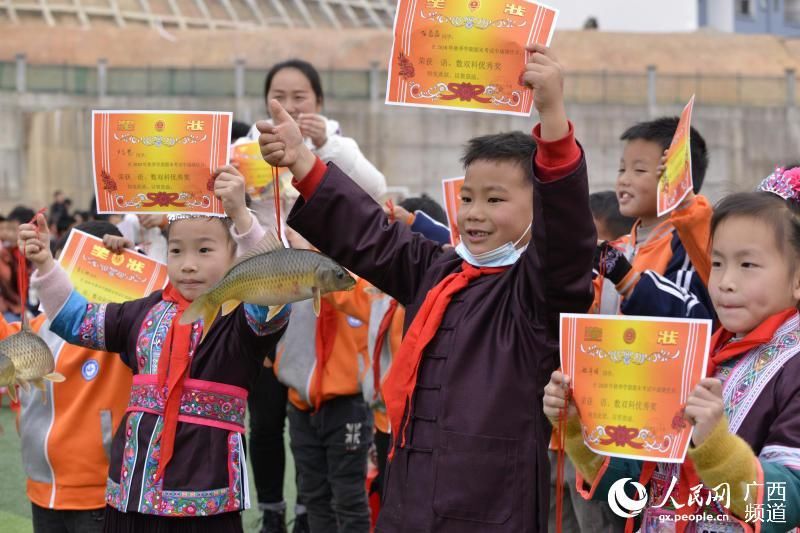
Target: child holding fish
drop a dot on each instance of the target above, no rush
(66, 469)
(470, 448)
(179, 452)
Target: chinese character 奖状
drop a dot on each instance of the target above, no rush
(515, 10)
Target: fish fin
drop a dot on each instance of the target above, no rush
(24, 384)
(273, 311)
(200, 308)
(317, 295)
(54, 377)
(204, 310)
(39, 384)
(269, 243)
(229, 306)
(12, 392)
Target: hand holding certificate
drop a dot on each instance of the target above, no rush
(466, 54)
(631, 378)
(676, 181)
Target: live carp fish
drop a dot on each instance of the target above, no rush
(25, 360)
(270, 275)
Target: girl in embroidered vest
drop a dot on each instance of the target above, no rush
(743, 467)
(177, 459)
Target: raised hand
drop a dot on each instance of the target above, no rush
(33, 239)
(544, 74)
(704, 409)
(282, 142)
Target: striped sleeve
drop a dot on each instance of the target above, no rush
(679, 292)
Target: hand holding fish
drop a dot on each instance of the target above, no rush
(229, 188)
(34, 241)
(282, 142)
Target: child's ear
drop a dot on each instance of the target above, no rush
(796, 285)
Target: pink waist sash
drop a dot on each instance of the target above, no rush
(206, 403)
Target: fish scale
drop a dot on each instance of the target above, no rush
(30, 354)
(271, 275)
(270, 279)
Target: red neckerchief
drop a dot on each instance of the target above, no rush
(173, 368)
(723, 350)
(402, 378)
(327, 328)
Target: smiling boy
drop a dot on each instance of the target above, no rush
(661, 268)
(469, 447)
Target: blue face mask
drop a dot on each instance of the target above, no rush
(505, 255)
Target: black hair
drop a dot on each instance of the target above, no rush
(21, 214)
(64, 222)
(605, 207)
(97, 228)
(661, 131)
(781, 215)
(427, 205)
(515, 147)
(308, 71)
(238, 130)
(227, 222)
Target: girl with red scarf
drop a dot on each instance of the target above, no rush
(177, 459)
(746, 439)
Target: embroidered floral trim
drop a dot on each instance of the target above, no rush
(262, 328)
(151, 336)
(782, 455)
(756, 369)
(92, 330)
(129, 454)
(197, 403)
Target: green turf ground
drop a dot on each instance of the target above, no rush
(15, 510)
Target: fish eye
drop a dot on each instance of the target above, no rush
(340, 275)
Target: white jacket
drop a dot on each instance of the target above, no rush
(345, 153)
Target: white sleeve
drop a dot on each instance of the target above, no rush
(129, 227)
(345, 153)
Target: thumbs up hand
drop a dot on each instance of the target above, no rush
(282, 143)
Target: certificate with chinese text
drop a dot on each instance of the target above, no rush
(631, 377)
(676, 182)
(102, 276)
(466, 54)
(451, 189)
(158, 161)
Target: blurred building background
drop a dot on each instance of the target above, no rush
(59, 59)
